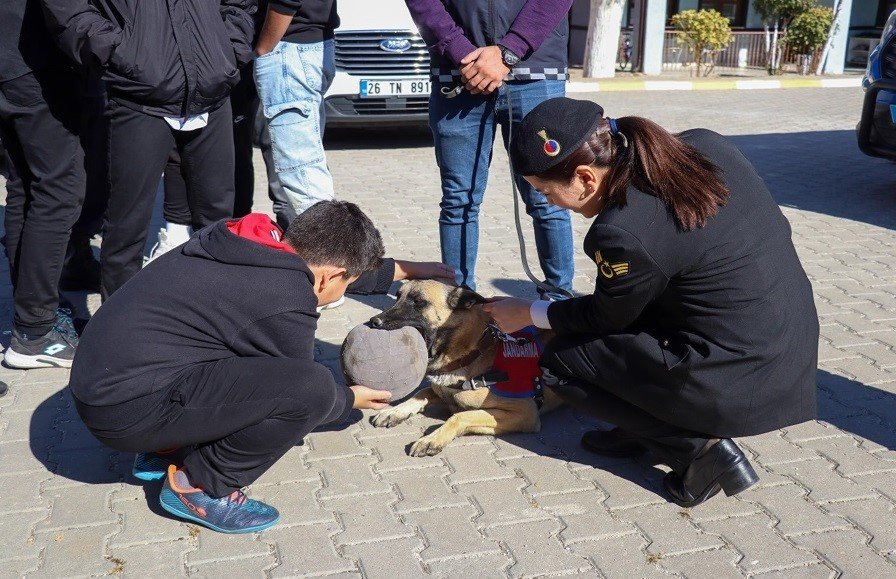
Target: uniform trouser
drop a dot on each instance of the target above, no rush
(242, 414)
(139, 146)
(39, 127)
(567, 357)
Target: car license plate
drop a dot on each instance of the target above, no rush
(388, 87)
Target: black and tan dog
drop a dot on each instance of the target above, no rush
(461, 347)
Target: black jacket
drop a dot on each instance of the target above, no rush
(715, 329)
(312, 21)
(220, 296)
(161, 57)
(24, 43)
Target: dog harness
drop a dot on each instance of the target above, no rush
(515, 372)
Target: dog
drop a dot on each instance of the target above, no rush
(462, 348)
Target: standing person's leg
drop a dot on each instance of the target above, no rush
(175, 209)
(290, 81)
(41, 122)
(276, 193)
(138, 149)
(206, 157)
(553, 228)
(244, 105)
(463, 129)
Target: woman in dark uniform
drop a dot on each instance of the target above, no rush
(702, 325)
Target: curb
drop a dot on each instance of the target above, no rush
(759, 84)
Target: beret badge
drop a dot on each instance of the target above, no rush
(551, 147)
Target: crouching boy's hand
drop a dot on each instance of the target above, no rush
(370, 399)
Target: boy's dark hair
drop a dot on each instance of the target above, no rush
(337, 233)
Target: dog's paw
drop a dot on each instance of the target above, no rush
(390, 417)
(427, 446)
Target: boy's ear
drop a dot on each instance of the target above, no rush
(463, 298)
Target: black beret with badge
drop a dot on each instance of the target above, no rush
(550, 132)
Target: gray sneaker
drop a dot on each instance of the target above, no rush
(55, 349)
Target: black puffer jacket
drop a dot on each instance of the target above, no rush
(162, 57)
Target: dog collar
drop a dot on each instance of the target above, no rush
(485, 341)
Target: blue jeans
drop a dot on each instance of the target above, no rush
(464, 131)
(291, 82)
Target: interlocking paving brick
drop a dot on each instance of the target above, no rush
(307, 551)
(871, 428)
(873, 516)
(450, 533)
(16, 540)
(722, 507)
(70, 552)
(627, 484)
(367, 518)
(536, 550)
(816, 571)
(848, 552)
(762, 547)
(80, 506)
(296, 502)
(773, 448)
(212, 546)
(811, 430)
(584, 517)
(395, 558)
(392, 452)
(882, 482)
(333, 444)
(351, 476)
(252, 567)
(423, 489)
(716, 563)
(797, 514)
(823, 483)
(502, 502)
(18, 457)
(291, 468)
(669, 529)
(547, 475)
(480, 566)
(474, 462)
(141, 525)
(851, 458)
(163, 559)
(622, 556)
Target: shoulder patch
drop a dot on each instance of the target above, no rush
(610, 270)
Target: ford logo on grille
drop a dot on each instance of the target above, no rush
(395, 44)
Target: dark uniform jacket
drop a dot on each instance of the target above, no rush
(161, 57)
(715, 329)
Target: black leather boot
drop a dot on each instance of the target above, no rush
(723, 467)
(611, 443)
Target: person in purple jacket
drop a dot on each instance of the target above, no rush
(509, 56)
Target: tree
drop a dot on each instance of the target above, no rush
(835, 25)
(704, 32)
(778, 14)
(808, 33)
(602, 45)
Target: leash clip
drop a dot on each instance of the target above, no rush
(504, 336)
(450, 93)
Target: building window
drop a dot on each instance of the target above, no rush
(734, 10)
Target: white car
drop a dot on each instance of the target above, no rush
(382, 66)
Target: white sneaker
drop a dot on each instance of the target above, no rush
(161, 247)
(332, 306)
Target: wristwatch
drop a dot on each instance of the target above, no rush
(509, 57)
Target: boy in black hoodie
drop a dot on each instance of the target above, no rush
(210, 350)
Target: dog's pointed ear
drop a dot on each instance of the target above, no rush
(463, 298)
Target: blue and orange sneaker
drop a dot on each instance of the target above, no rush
(235, 513)
(150, 466)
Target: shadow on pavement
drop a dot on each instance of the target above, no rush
(824, 172)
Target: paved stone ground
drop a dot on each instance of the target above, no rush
(354, 503)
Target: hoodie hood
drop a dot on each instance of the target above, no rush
(251, 241)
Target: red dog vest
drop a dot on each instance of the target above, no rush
(518, 361)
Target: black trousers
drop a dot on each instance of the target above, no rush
(244, 105)
(567, 357)
(39, 126)
(138, 149)
(242, 414)
(94, 136)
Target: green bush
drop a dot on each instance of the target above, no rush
(704, 32)
(809, 31)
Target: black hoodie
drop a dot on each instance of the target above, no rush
(219, 296)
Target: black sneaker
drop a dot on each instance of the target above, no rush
(81, 271)
(55, 349)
